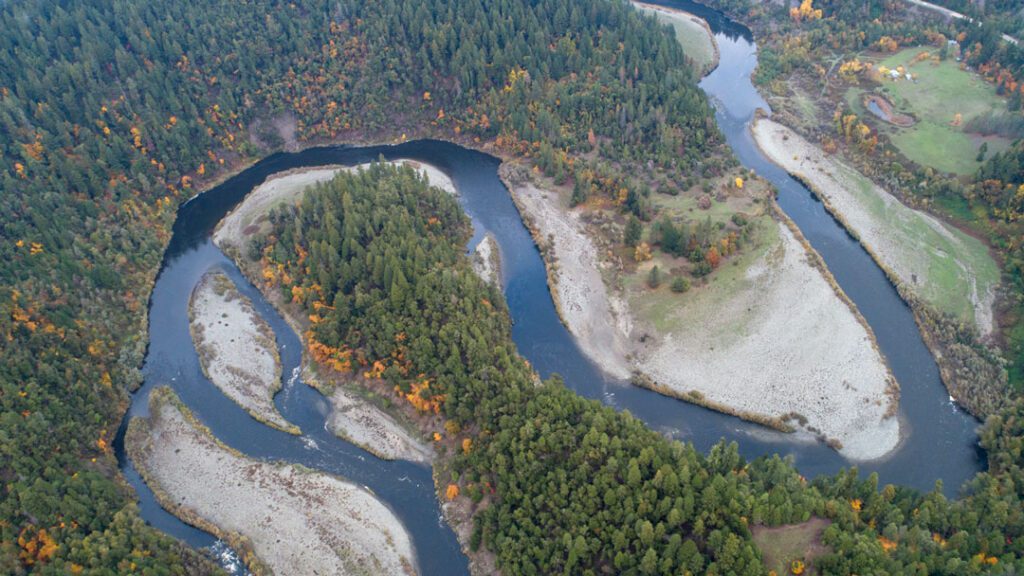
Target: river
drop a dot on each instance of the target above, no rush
(941, 439)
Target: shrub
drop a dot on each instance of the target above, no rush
(680, 284)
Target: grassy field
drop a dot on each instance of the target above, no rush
(939, 92)
(685, 205)
(692, 35)
(944, 147)
(781, 545)
(953, 256)
(802, 105)
(665, 309)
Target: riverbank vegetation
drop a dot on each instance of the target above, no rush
(557, 483)
(851, 52)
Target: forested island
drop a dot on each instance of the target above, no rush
(114, 114)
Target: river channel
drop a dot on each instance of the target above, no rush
(940, 439)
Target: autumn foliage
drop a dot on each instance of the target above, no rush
(805, 12)
(713, 257)
(642, 252)
(422, 398)
(338, 359)
(37, 547)
(452, 492)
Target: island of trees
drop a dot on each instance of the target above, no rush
(565, 485)
(114, 112)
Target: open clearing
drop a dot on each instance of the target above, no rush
(950, 270)
(692, 33)
(657, 307)
(236, 348)
(938, 92)
(741, 343)
(770, 337)
(781, 545)
(294, 520)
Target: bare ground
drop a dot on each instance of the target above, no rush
(236, 348)
(587, 308)
(363, 424)
(786, 348)
(783, 344)
(487, 260)
(288, 519)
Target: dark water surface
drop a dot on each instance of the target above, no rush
(877, 110)
(941, 439)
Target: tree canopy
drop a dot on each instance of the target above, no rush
(566, 485)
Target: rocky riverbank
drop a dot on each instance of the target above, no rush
(938, 263)
(285, 518)
(774, 341)
(353, 417)
(236, 348)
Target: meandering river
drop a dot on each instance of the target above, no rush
(940, 441)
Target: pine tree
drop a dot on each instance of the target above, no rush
(654, 277)
(633, 232)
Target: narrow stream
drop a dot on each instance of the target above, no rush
(941, 439)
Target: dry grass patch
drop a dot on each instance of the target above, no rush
(782, 545)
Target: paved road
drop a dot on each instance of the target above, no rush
(953, 14)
